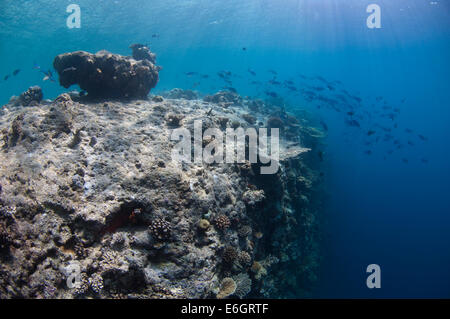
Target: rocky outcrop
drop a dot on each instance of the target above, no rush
(32, 96)
(89, 195)
(107, 75)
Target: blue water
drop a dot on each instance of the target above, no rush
(380, 209)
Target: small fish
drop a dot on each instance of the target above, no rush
(16, 72)
(324, 125)
(274, 82)
(423, 138)
(205, 76)
(155, 36)
(48, 75)
(251, 72)
(368, 152)
(6, 77)
(272, 94)
(408, 130)
(191, 73)
(424, 160)
(350, 113)
(273, 72)
(404, 160)
(354, 123)
(292, 88)
(244, 49)
(410, 143)
(370, 132)
(320, 154)
(196, 84)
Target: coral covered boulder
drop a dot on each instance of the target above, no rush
(32, 96)
(91, 187)
(107, 75)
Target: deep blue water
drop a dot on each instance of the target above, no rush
(381, 210)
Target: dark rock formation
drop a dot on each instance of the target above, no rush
(107, 75)
(141, 52)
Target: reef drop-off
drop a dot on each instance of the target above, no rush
(93, 184)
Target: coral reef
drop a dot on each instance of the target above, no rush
(32, 96)
(227, 288)
(90, 185)
(160, 229)
(107, 75)
(222, 222)
(225, 97)
(142, 52)
(180, 94)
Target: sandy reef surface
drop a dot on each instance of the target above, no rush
(92, 184)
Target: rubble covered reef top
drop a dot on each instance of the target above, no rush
(92, 183)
